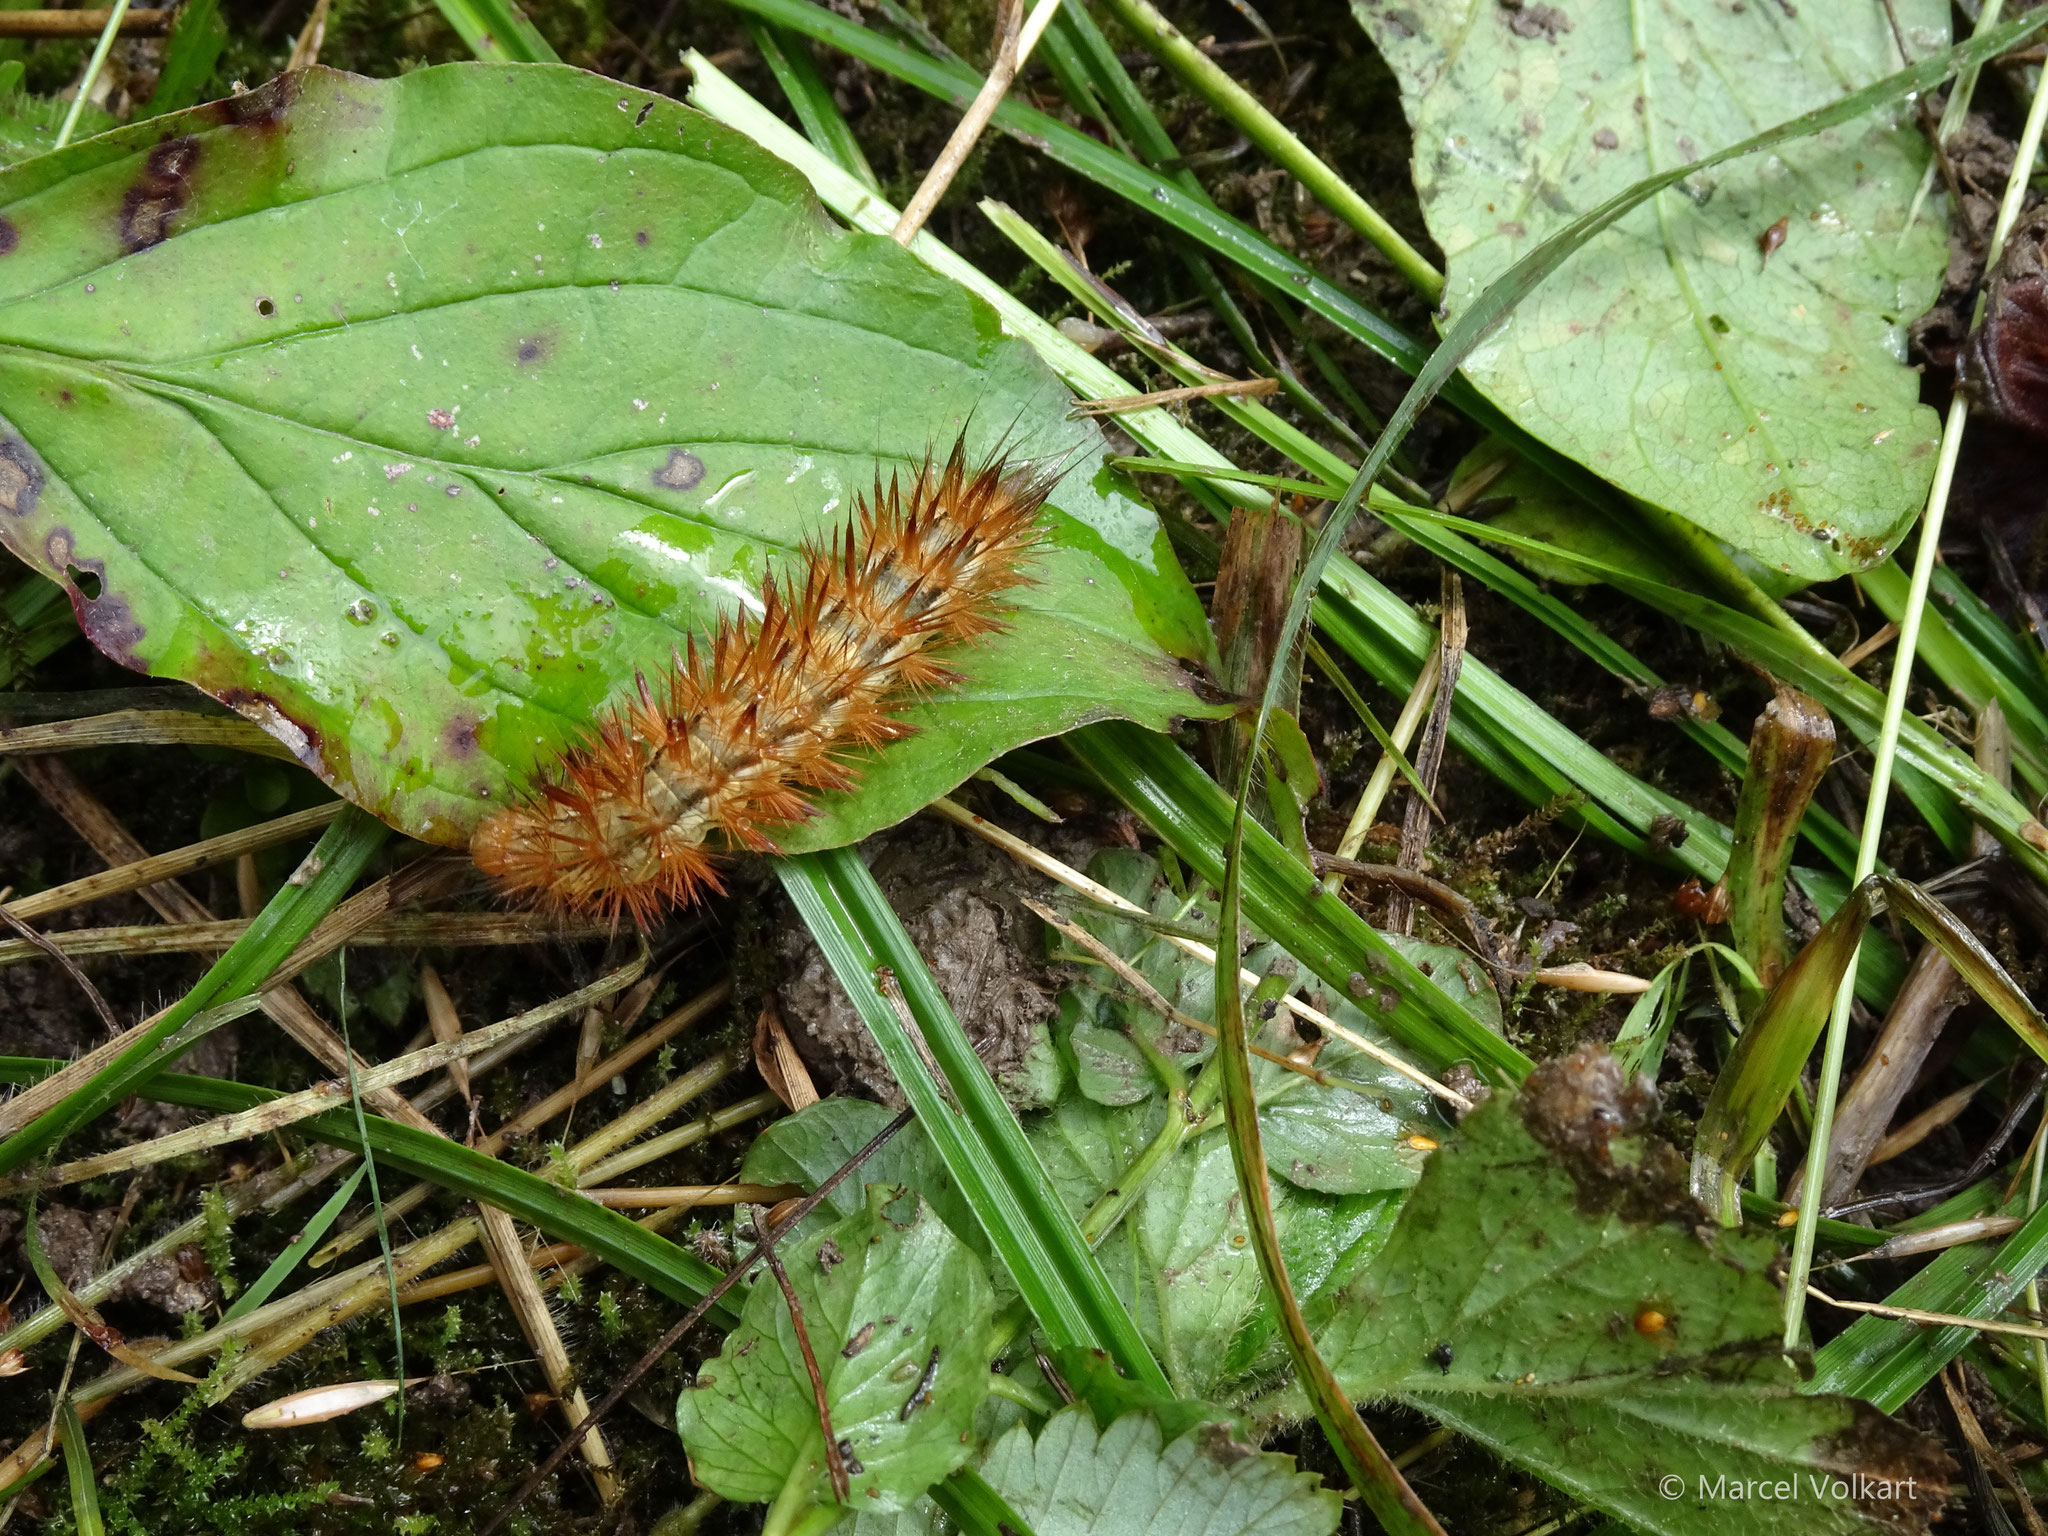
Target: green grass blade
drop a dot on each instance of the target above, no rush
(1156, 194)
(340, 855)
(1885, 1361)
(34, 622)
(1238, 106)
(197, 38)
(497, 30)
(1757, 1079)
(976, 1508)
(1971, 673)
(2019, 661)
(85, 1497)
(280, 1268)
(788, 58)
(1371, 1472)
(1951, 786)
(561, 1213)
(1184, 806)
(980, 1142)
(1828, 836)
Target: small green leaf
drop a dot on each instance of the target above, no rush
(488, 387)
(808, 1147)
(1074, 1481)
(1181, 1259)
(890, 1298)
(1757, 392)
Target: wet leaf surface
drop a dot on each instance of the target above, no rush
(411, 418)
(1751, 381)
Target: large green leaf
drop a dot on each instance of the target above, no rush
(1762, 398)
(411, 417)
(1547, 1291)
(897, 1311)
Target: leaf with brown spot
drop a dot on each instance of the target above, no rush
(414, 417)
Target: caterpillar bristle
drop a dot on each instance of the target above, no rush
(728, 746)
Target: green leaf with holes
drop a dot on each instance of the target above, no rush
(898, 1313)
(1733, 350)
(412, 417)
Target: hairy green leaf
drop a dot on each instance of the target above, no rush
(1547, 1291)
(1076, 1481)
(898, 1311)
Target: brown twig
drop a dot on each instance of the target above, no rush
(180, 861)
(967, 133)
(1116, 405)
(1457, 911)
(835, 1460)
(70, 968)
(394, 930)
(689, 1320)
(1429, 760)
(137, 23)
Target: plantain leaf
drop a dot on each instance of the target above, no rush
(413, 417)
(1747, 380)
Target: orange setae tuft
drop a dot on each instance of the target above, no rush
(726, 748)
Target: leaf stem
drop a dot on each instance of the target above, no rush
(1888, 740)
(1209, 80)
(93, 67)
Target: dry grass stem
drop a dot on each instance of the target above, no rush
(141, 727)
(372, 1082)
(751, 1108)
(1117, 405)
(34, 24)
(628, 1055)
(1429, 759)
(1010, 54)
(1153, 999)
(1580, 977)
(684, 1196)
(1931, 1319)
(396, 930)
(1926, 1123)
(446, 1025)
(1074, 880)
(1366, 814)
(180, 861)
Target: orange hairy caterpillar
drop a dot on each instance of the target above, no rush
(630, 823)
